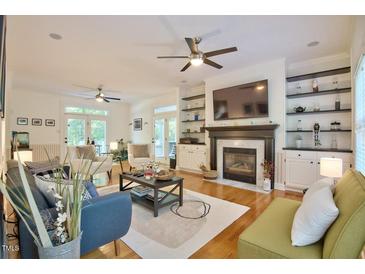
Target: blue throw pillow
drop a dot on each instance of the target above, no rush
(90, 187)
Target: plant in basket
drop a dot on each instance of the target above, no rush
(268, 171)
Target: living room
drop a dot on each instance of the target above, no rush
(176, 138)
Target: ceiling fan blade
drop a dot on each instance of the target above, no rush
(192, 45)
(112, 98)
(106, 100)
(213, 64)
(220, 51)
(165, 57)
(186, 66)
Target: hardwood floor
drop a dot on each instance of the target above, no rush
(224, 245)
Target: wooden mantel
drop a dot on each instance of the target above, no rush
(243, 128)
(251, 132)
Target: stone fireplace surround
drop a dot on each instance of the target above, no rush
(255, 136)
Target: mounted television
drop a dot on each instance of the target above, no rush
(240, 102)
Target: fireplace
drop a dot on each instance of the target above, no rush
(239, 164)
(259, 138)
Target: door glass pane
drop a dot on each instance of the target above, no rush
(159, 138)
(172, 133)
(76, 132)
(98, 135)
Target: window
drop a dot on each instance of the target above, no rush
(360, 117)
(82, 110)
(165, 109)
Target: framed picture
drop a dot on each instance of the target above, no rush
(137, 124)
(2, 64)
(22, 121)
(36, 122)
(50, 122)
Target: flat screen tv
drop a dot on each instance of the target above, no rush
(240, 102)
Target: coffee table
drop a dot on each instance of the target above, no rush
(168, 198)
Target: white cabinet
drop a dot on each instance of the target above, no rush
(302, 168)
(190, 157)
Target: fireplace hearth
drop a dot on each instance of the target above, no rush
(239, 164)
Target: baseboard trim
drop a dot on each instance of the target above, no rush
(279, 186)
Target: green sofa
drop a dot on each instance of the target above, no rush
(269, 236)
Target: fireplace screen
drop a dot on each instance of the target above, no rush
(239, 164)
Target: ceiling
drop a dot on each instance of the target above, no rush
(120, 51)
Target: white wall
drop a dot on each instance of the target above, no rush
(145, 110)
(32, 104)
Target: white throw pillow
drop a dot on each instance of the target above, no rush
(46, 184)
(325, 182)
(315, 215)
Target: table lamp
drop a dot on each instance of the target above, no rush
(331, 167)
(24, 155)
(113, 146)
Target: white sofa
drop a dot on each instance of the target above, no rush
(100, 164)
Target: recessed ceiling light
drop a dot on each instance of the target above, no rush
(313, 44)
(55, 36)
(184, 81)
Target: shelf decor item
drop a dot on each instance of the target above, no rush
(315, 85)
(299, 125)
(316, 128)
(299, 109)
(298, 141)
(338, 102)
(268, 169)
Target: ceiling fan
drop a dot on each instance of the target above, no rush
(197, 57)
(100, 96)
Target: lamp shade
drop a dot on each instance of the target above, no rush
(331, 167)
(113, 146)
(24, 155)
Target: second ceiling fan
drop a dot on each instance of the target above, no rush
(198, 57)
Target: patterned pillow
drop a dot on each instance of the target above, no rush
(46, 185)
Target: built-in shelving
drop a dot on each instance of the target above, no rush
(324, 130)
(199, 96)
(319, 93)
(193, 109)
(318, 74)
(189, 121)
(318, 149)
(319, 112)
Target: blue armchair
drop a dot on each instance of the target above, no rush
(103, 219)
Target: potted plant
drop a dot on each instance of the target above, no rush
(268, 169)
(64, 241)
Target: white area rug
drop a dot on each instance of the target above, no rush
(171, 236)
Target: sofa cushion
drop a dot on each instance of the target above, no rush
(314, 216)
(269, 236)
(140, 151)
(346, 237)
(86, 152)
(43, 166)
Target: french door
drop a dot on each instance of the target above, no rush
(79, 129)
(164, 136)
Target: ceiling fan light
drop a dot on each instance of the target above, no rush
(196, 61)
(99, 99)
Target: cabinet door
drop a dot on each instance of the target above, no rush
(300, 173)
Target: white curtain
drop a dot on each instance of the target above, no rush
(360, 117)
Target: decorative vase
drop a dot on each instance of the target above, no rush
(69, 250)
(298, 143)
(267, 184)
